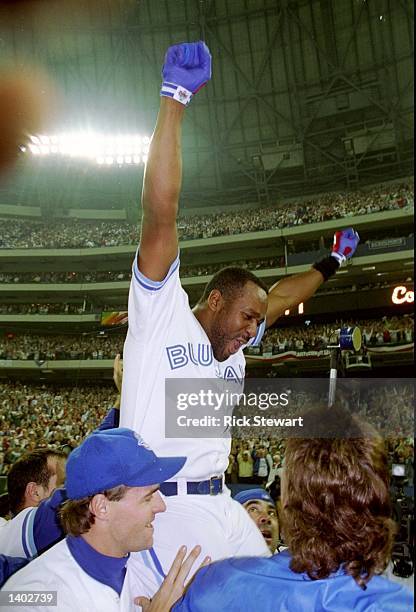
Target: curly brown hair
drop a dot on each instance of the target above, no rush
(336, 508)
(76, 516)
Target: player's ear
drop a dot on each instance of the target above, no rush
(215, 300)
(32, 494)
(99, 506)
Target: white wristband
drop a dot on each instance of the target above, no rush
(176, 92)
(339, 257)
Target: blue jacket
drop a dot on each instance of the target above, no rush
(252, 584)
(9, 565)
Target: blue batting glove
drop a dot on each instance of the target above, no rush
(345, 244)
(186, 69)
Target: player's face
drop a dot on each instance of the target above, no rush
(237, 321)
(132, 517)
(264, 514)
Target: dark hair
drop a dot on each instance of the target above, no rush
(32, 467)
(336, 510)
(230, 282)
(76, 516)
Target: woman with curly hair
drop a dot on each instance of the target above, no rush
(337, 525)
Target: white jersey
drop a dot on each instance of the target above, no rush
(57, 570)
(16, 535)
(165, 340)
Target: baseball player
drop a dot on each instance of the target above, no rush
(166, 339)
(262, 510)
(112, 485)
(36, 527)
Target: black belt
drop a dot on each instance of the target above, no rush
(213, 486)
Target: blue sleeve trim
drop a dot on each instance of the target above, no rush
(157, 562)
(28, 540)
(259, 335)
(148, 564)
(149, 284)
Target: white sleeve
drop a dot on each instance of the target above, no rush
(16, 535)
(151, 302)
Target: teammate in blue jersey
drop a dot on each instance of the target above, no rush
(36, 528)
(168, 339)
(337, 525)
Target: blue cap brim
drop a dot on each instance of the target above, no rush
(252, 495)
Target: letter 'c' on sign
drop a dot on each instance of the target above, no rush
(401, 295)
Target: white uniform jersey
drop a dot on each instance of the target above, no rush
(57, 570)
(165, 340)
(16, 535)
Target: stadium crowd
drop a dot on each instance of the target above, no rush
(124, 275)
(246, 454)
(389, 330)
(87, 234)
(120, 275)
(387, 407)
(57, 308)
(33, 416)
(36, 417)
(88, 307)
(40, 347)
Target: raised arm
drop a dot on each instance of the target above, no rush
(290, 292)
(293, 290)
(186, 69)
(160, 196)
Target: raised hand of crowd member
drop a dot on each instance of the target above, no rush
(173, 586)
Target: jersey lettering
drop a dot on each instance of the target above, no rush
(177, 356)
(198, 354)
(205, 356)
(231, 374)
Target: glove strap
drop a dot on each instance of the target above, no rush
(339, 257)
(176, 92)
(327, 266)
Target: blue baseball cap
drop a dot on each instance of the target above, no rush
(115, 457)
(253, 494)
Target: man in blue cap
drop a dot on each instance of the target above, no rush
(112, 483)
(261, 508)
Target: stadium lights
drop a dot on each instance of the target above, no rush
(104, 150)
